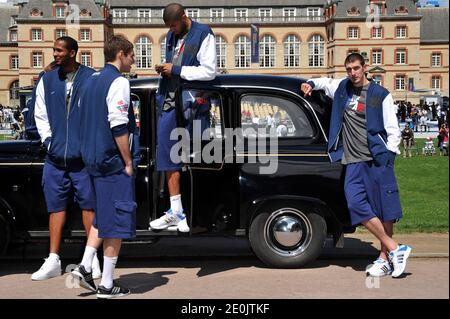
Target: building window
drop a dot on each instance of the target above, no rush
(60, 12)
(377, 33)
(377, 8)
(216, 15)
(221, 49)
(241, 15)
(267, 52)
(378, 79)
(400, 56)
(353, 33)
(86, 59)
(37, 58)
(14, 90)
(436, 59)
(316, 51)
(289, 14)
(242, 52)
(194, 14)
(265, 14)
(292, 52)
(313, 14)
(13, 36)
(36, 35)
(143, 53)
(85, 35)
(377, 57)
(120, 15)
(436, 82)
(144, 15)
(401, 32)
(400, 81)
(60, 33)
(163, 50)
(14, 62)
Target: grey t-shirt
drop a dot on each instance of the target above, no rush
(174, 81)
(70, 78)
(354, 130)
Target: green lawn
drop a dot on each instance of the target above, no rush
(423, 185)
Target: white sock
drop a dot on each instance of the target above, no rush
(53, 257)
(175, 204)
(89, 253)
(109, 264)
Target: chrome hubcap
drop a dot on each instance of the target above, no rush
(288, 232)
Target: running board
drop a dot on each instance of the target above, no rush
(82, 233)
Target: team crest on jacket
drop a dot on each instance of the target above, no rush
(122, 106)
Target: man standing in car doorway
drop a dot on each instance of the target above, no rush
(190, 56)
(58, 122)
(365, 137)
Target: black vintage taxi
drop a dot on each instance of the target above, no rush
(287, 200)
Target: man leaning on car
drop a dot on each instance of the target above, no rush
(365, 137)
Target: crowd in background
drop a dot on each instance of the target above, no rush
(12, 121)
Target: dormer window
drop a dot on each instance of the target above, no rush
(353, 11)
(60, 11)
(401, 10)
(84, 13)
(35, 12)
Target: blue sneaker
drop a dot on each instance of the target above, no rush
(398, 259)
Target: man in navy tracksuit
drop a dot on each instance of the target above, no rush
(191, 56)
(57, 119)
(364, 136)
(109, 143)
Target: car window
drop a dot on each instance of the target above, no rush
(12, 124)
(272, 116)
(205, 108)
(136, 103)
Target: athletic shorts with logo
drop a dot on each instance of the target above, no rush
(60, 183)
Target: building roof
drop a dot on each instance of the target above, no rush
(6, 11)
(217, 3)
(361, 5)
(434, 24)
(46, 8)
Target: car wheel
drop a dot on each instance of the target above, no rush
(5, 234)
(287, 237)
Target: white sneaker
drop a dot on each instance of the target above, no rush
(379, 268)
(177, 220)
(96, 271)
(49, 269)
(398, 259)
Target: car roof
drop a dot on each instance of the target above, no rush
(272, 81)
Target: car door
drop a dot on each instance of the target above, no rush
(209, 158)
(298, 165)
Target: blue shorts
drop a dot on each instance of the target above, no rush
(371, 191)
(167, 122)
(58, 184)
(115, 214)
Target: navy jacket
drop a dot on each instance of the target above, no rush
(376, 133)
(99, 150)
(193, 42)
(65, 140)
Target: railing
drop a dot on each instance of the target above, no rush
(224, 20)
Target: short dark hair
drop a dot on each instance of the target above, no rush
(173, 12)
(352, 57)
(70, 43)
(114, 45)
